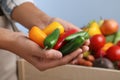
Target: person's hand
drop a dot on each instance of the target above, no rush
(69, 26)
(33, 53)
(29, 50)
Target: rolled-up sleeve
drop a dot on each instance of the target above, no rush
(8, 5)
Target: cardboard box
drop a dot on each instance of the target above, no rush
(66, 72)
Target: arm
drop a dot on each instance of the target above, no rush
(27, 49)
(29, 15)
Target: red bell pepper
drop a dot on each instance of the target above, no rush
(61, 40)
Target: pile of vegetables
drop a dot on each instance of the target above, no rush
(55, 37)
(104, 43)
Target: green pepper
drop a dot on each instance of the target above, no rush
(72, 45)
(51, 39)
(81, 33)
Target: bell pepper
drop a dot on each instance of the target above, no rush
(37, 35)
(93, 28)
(51, 39)
(51, 27)
(61, 40)
(81, 33)
(107, 46)
(72, 45)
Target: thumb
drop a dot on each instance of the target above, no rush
(52, 54)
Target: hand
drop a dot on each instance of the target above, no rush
(40, 58)
(69, 26)
(27, 49)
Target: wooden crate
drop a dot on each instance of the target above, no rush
(66, 72)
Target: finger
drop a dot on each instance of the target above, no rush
(87, 42)
(85, 48)
(75, 61)
(71, 56)
(47, 63)
(63, 60)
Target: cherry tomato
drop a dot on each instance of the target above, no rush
(113, 53)
(109, 26)
(97, 42)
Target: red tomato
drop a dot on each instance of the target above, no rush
(97, 42)
(118, 43)
(113, 53)
(109, 26)
(100, 53)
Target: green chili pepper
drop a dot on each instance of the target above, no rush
(81, 33)
(51, 39)
(72, 45)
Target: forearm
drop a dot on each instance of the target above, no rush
(6, 37)
(29, 15)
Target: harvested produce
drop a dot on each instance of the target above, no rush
(113, 53)
(81, 33)
(93, 28)
(72, 45)
(109, 26)
(51, 39)
(103, 63)
(97, 42)
(51, 27)
(61, 40)
(37, 35)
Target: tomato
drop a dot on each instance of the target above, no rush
(100, 53)
(109, 26)
(113, 53)
(97, 42)
(118, 43)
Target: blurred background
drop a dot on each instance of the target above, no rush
(79, 12)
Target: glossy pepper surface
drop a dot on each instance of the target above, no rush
(51, 39)
(72, 45)
(61, 40)
(81, 33)
(37, 35)
(51, 27)
(93, 28)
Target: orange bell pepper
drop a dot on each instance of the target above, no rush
(107, 46)
(37, 35)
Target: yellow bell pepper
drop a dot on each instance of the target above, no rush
(93, 29)
(51, 27)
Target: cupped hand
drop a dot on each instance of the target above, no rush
(68, 26)
(42, 59)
